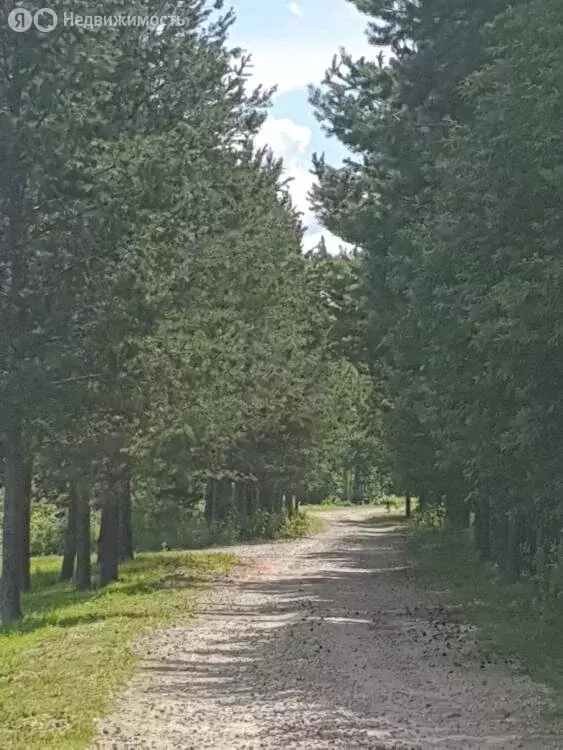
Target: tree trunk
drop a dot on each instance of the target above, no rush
(292, 505)
(422, 502)
(12, 537)
(222, 499)
(109, 541)
(514, 549)
(233, 506)
(500, 537)
(346, 480)
(531, 541)
(250, 491)
(408, 512)
(362, 492)
(83, 574)
(125, 520)
(278, 502)
(14, 323)
(69, 541)
(483, 527)
(457, 513)
(287, 503)
(26, 530)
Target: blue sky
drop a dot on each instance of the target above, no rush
(292, 43)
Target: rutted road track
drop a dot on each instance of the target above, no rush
(323, 643)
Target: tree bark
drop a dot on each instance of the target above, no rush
(210, 511)
(69, 541)
(250, 491)
(26, 529)
(109, 541)
(483, 527)
(125, 520)
(278, 501)
(83, 574)
(422, 502)
(222, 499)
(514, 549)
(14, 319)
(408, 512)
(12, 536)
(457, 513)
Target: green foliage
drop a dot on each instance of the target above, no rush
(453, 195)
(160, 327)
(300, 525)
(47, 528)
(429, 518)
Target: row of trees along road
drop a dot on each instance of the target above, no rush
(159, 326)
(454, 191)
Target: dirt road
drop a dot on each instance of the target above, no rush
(324, 643)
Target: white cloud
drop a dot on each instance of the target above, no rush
(291, 55)
(333, 243)
(290, 141)
(285, 137)
(285, 65)
(296, 9)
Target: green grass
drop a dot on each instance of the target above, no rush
(63, 665)
(302, 524)
(511, 628)
(327, 505)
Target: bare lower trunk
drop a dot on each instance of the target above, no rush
(83, 575)
(483, 527)
(109, 541)
(12, 537)
(514, 547)
(125, 520)
(457, 513)
(69, 542)
(210, 512)
(250, 495)
(408, 512)
(422, 502)
(14, 329)
(26, 529)
(292, 499)
(25, 581)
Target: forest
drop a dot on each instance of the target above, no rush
(453, 192)
(169, 352)
(168, 355)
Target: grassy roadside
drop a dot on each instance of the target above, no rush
(389, 504)
(512, 630)
(302, 524)
(62, 667)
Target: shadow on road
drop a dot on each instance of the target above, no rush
(333, 648)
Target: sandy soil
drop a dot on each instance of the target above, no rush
(324, 643)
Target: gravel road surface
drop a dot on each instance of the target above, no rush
(324, 643)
